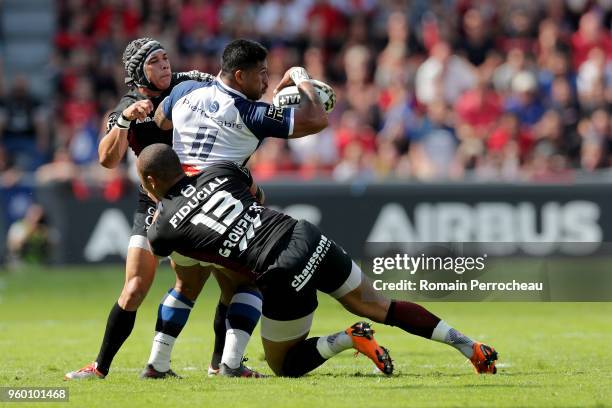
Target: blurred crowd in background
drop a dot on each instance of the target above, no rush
(427, 90)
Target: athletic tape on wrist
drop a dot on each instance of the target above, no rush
(299, 75)
(123, 122)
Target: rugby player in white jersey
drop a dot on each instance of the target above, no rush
(222, 120)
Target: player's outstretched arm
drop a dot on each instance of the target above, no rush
(310, 117)
(114, 144)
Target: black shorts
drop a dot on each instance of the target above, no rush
(143, 217)
(309, 262)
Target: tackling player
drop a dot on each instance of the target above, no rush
(213, 217)
(131, 125)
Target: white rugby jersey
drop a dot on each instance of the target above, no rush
(213, 122)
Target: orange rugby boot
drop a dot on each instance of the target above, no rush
(484, 358)
(363, 341)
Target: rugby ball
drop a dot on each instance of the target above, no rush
(290, 96)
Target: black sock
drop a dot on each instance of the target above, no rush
(220, 329)
(413, 318)
(118, 328)
(302, 358)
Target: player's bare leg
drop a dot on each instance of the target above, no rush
(140, 267)
(276, 352)
(366, 302)
(227, 284)
(191, 280)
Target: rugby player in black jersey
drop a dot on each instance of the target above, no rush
(131, 125)
(214, 217)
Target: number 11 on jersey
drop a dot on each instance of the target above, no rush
(203, 142)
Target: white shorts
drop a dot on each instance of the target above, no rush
(279, 331)
(182, 260)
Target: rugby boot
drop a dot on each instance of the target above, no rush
(362, 335)
(150, 372)
(484, 358)
(240, 371)
(87, 372)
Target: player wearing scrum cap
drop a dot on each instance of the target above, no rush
(130, 124)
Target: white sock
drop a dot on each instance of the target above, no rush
(161, 351)
(236, 341)
(329, 346)
(446, 334)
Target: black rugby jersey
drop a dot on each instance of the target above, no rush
(144, 133)
(213, 217)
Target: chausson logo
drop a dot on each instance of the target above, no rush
(299, 281)
(213, 107)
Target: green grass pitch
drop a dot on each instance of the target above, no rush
(52, 321)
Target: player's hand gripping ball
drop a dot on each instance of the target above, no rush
(290, 96)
